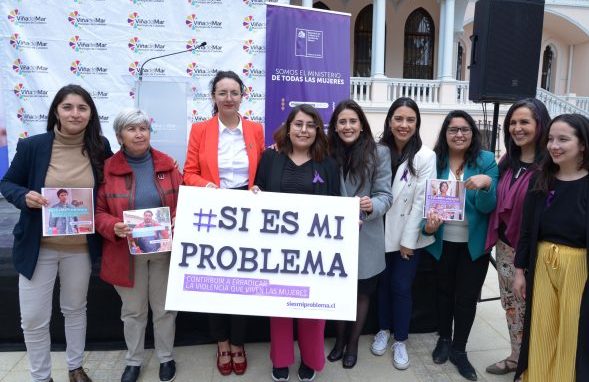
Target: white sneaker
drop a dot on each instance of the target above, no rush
(380, 342)
(400, 356)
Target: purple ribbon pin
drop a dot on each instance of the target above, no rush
(404, 176)
(317, 178)
(550, 198)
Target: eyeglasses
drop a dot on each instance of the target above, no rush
(465, 130)
(298, 125)
(224, 94)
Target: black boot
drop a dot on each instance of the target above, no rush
(442, 350)
(463, 365)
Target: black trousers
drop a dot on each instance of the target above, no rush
(460, 280)
(228, 327)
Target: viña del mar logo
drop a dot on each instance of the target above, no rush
(21, 92)
(80, 70)
(252, 116)
(137, 46)
(16, 18)
(254, 3)
(23, 69)
(250, 71)
(77, 20)
(250, 47)
(250, 24)
(250, 94)
(19, 43)
(195, 71)
(148, 71)
(25, 117)
(208, 48)
(137, 22)
(196, 117)
(80, 45)
(195, 23)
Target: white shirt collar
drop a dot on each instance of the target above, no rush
(222, 127)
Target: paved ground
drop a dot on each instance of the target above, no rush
(488, 343)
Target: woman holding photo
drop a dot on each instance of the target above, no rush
(526, 122)
(459, 248)
(138, 177)
(70, 154)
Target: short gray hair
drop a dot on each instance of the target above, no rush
(130, 116)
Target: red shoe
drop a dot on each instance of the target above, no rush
(239, 368)
(224, 368)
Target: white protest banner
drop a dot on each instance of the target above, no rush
(265, 254)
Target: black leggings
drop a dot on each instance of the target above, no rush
(460, 280)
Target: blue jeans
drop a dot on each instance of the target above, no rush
(394, 293)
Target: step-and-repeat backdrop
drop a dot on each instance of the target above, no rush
(100, 44)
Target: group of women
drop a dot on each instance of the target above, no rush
(541, 254)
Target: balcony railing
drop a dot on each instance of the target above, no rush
(427, 94)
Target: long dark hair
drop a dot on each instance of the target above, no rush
(93, 143)
(362, 157)
(220, 76)
(548, 170)
(414, 144)
(442, 149)
(512, 151)
(318, 150)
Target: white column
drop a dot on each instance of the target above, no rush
(441, 39)
(448, 42)
(378, 38)
(570, 68)
(308, 3)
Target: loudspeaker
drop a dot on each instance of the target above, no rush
(505, 52)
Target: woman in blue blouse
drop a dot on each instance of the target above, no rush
(459, 248)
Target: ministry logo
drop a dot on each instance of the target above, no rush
(250, 24)
(23, 69)
(78, 20)
(137, 22)
(250, 47)
(80, 45)
(250, 71)
(137, 46)
(198, 3)
(16, 18)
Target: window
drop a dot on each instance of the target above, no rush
(546, 82)
(459, 61)
(363, 42)
(418, 60)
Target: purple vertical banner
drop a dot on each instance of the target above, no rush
(307, 61)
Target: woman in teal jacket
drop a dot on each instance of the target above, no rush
(460, 245)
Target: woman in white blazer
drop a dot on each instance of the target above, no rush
(412, 165)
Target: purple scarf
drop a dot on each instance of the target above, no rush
(509, 210)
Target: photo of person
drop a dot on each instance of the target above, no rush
(70, 211)
(151, 230)
(446, 198)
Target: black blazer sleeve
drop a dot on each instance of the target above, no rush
(524, 246)
(264, 169)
